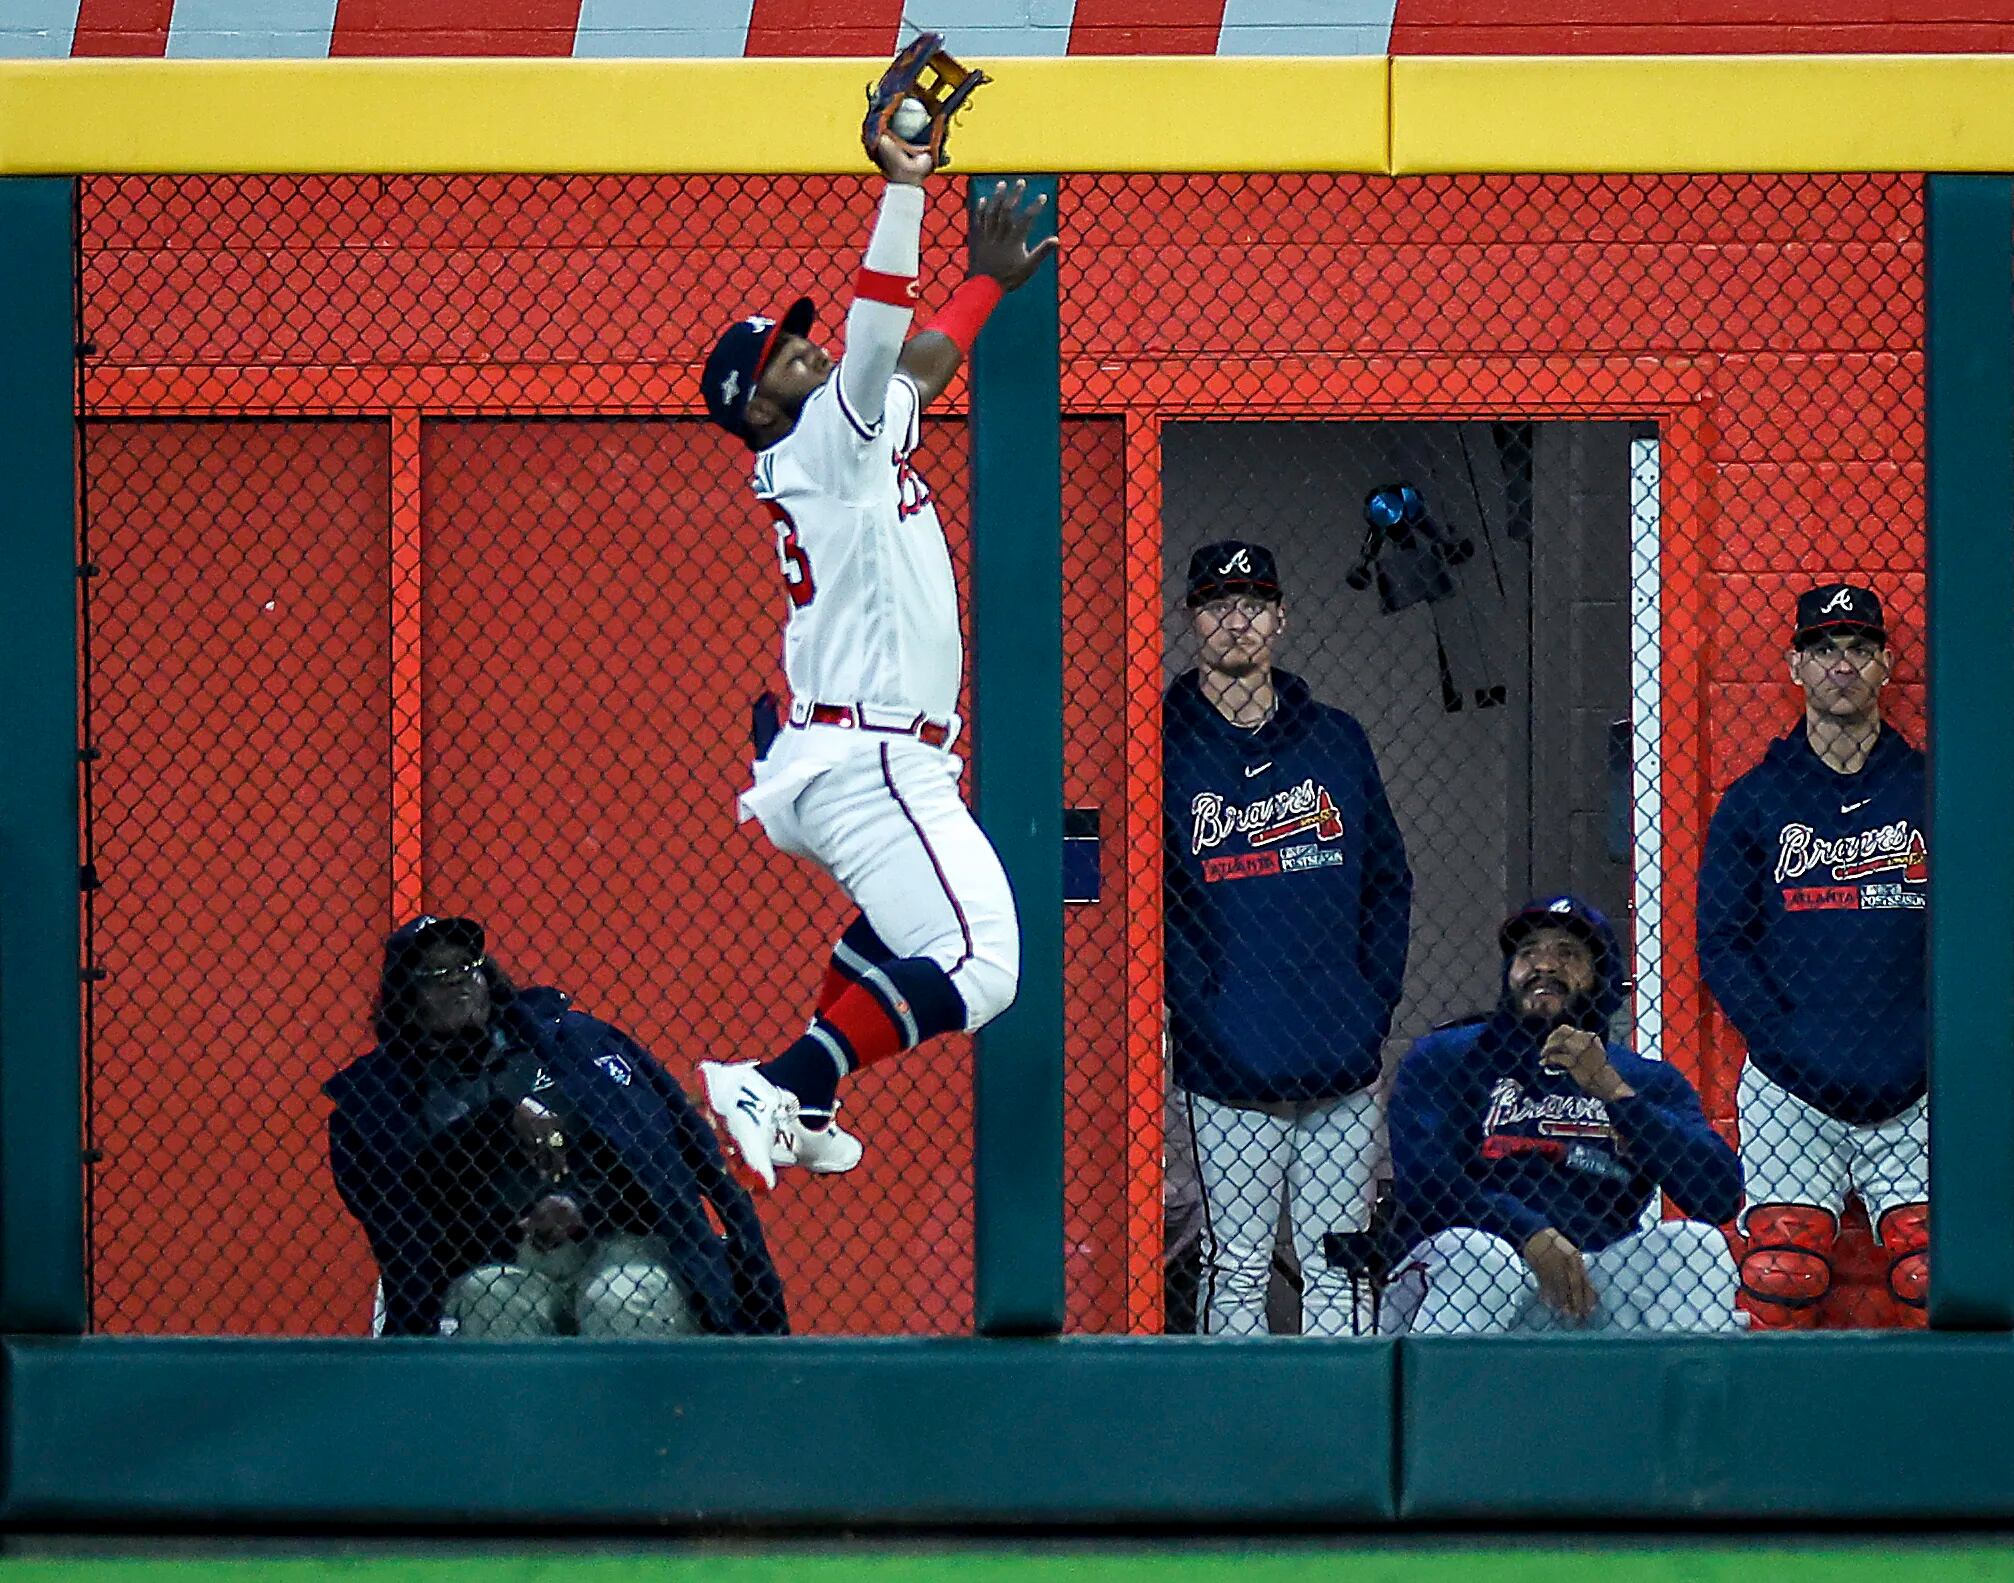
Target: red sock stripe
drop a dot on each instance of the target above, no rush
(859, 1017)
(898, 291)
(837, 982)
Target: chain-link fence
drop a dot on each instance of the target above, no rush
(1479, 511)
(1430, 547)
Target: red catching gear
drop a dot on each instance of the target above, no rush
(1788, 1268)
(963, 316)
(1905, 1238)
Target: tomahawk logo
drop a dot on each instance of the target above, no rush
(1240, 562)
(1843, 600)
(729, 386)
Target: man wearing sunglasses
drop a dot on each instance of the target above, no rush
(1288, 905)
(1812, 936)
(523, 1169)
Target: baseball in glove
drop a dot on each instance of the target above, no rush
(925, 73)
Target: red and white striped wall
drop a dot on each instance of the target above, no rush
(995, 28)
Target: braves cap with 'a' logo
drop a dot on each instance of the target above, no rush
(1837, 605)
(1570, 913)
(737, 362)
(1232, 567)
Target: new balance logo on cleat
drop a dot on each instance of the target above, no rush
(758, 1118)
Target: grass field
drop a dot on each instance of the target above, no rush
(1901, 1560)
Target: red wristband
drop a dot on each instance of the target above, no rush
(961, 317)
(897, 291)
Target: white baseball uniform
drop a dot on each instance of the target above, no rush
(1674, 1277)
(1322, 1154)
(863, 782)
(1793, 1153)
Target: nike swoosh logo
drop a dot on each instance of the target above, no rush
(1257, 769)
(1855, 807)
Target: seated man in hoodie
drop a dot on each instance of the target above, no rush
(1288, 903)
(522, 1169)
(1526, 1151)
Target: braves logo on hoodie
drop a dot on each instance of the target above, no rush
(1886, 854)
(1265, 822)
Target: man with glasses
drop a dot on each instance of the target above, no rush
(524, 1169)
(1812, 936)
(1288, 904)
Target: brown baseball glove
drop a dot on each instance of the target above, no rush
(925, 73)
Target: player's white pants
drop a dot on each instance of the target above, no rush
(881, 814)
(1792, 1153)
(1677, 1276)
(1321, 1155)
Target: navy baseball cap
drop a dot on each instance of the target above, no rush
(1232, 566)
(1836, 606)
(405, 943)
(1570, 913)
(738, 358)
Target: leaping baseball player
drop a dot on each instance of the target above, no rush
(861, 779)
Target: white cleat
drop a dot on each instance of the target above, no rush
(759, 1118)
(826, 1150)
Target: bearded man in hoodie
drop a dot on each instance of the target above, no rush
(1813, 937)
(1527, 1151)
(1288, 903)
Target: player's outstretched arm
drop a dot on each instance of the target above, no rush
(1001, 261)
(884, 294)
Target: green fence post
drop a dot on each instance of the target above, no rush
(1969, 375)
(1017, 698)
(41, 1022)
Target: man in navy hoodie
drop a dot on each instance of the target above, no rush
(1527, 1149)
(1813, 938)
(522, 1169)
(1288, 903)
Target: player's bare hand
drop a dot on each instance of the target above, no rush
(1000, 227)
(902, 163)
(552, 1222)
(1562, 1274)
(1583, 1057)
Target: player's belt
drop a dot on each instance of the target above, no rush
(865, 717)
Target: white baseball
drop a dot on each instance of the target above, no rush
(910, 121)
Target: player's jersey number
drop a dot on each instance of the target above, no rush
(791, 555)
